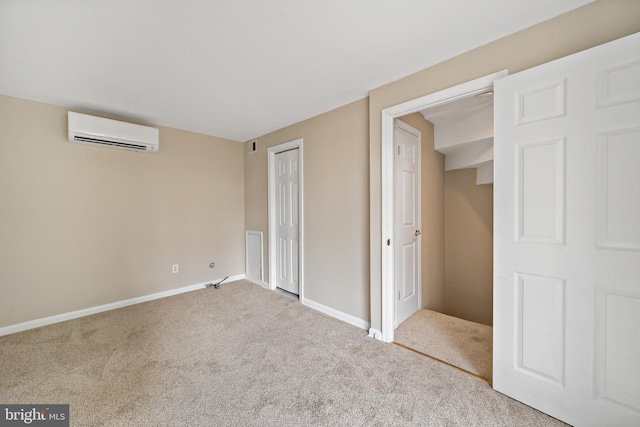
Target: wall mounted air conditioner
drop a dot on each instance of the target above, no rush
(85, 129)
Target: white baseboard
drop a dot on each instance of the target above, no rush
(375, 334)
(31, 324)
(360, 323)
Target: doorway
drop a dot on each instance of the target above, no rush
(463, 134)
(389, 264)
(454, 322)
(286, 216)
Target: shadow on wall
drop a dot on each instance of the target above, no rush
(468, 247)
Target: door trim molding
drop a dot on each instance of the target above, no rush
(389, 114)
(271, 192)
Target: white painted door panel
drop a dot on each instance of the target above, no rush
(407, 182)
(567, 236)
(287, 220)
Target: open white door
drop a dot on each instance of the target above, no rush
(407, 182)
(567, 236)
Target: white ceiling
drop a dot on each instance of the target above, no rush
(237, 69)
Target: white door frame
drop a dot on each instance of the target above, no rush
(271, 160)
(389, 114)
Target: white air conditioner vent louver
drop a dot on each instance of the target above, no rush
(91, 130)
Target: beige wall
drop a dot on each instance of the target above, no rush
(589, 26)
(336, 205)
(468, 247)
(82, 226)
(433, 216)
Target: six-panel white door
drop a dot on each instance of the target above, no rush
(407, 182)
(567, 236)
(287, 220)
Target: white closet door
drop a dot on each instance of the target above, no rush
(567, 236)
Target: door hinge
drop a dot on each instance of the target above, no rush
(388, 242)
(398, 295)
(398, 150)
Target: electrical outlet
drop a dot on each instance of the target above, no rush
(175, 268)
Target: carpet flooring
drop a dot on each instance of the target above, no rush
(465, 344)
(240, 356)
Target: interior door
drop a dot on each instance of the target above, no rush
(567, 236)
(287, 214)
(407, 190)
